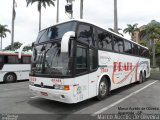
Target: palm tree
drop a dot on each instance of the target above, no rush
(131, 29)
(3, 31)
(41, 3)
(118, 29)
(151, 32)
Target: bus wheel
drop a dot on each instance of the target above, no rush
(9, 78)
(140, 78)
(144, 76)
(103, 89)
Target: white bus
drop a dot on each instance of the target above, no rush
(12, 68)
(76, 60)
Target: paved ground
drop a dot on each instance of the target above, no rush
(15, 98)
(155, 75)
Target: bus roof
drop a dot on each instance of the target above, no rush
(86, 21)
(15, 53)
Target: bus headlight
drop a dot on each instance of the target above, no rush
(62, 87)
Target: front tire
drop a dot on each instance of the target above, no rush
(103, 89)
(9, 78)
(144, 76)
(140, 78)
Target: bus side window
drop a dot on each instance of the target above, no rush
(128, 47)
(94, 37)
(85, 34)
(13, 59)
(26, 59)
(105, 40)
(5, 59)
(135, 49)
(118, 44)
(93, 59)
(81, 59)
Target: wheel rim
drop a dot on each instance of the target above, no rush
(10, 78)
(103, 88)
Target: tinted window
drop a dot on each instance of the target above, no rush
(118, 44)
(128, 47)
(26, 60)
(13, 59)
(144, 52)
(105, 40)
(55, 32)
(85, 34)
(44, 37)
(93, 59)
(1, 59)
(81, 59)
(94, 39)
(58, 31)
(41, 33)
(135, 49)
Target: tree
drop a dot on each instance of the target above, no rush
(152, 32)
(41, 3)
(3, 34)
(111, 29)
(27, 48)
(131, 29)
(157, 52)
(16, 45)
(143, 42)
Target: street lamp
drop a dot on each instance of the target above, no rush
(81, 9)
(68, 8)
(115, 17)
(57, 18)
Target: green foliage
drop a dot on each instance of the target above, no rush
(131, 29)
(143, 42)
(3, 34)
(17, 45)
(151, 31)
(158, 47)
(27, 48)
(43, 3)
(3, 31)
(158, 61)
(111, 29)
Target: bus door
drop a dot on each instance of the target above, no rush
(93, 64)
(81, 72)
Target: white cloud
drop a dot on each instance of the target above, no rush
(100, 12)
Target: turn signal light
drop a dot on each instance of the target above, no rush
(66, 87)
(62, 87)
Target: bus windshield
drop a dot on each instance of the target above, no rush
(48, 60)
(55, 32)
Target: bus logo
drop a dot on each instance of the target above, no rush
(104, 58)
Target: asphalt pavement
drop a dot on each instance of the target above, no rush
(16, 101)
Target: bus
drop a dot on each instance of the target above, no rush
(12, 68)
(77, 60)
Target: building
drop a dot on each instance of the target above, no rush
(136, 34)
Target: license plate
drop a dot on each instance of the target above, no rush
(44, 93)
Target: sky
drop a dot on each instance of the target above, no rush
(99, 12)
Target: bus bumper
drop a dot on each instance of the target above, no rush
(52, 94)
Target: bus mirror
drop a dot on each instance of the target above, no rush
(32, 44)
(21, 49)
(65, 40)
